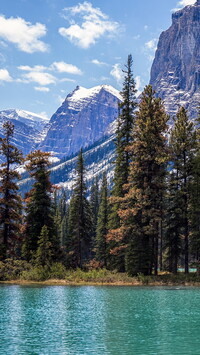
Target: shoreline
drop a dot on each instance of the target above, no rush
(134, 283)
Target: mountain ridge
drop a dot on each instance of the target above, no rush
(83, 118)
(175, 72)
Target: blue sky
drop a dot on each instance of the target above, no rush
(48, 47)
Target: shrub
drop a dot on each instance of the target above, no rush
(57, 271)
(142, 278)
(37, 273)
(10, 269)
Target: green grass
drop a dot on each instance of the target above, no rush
(98, 276)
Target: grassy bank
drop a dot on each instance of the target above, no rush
(20, 272)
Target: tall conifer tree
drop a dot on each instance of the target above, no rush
(44, 254)
(80, 221)
(173, 223)
(141, 207)
(102, 225)
(195, 198)
(182, 143)
(10, 201)
(124, 138)
(64, 213)
(39, 210)
(94, 204)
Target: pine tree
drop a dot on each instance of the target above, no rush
(10, 201)
(94, 205)
(125, 124)
(102, 225)
(64, 214)
(39, 211)
(80, 222)
(173, 223)
(124, 130)
(182, 143)
(141, 207)
(64, 229)
(60, 216)
(44, 254)
(194, 212)
(62, 205)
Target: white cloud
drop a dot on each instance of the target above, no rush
(36, 68)
(67, 80)
(152, 44)
(186, 2)
(63, 67)
(23, 34)
(97, 62)
(146, 27)
(183, 3)
(4, 75)
(41, 88)
(93, 25)
(41, 78)
(40, 74)
(116, 72)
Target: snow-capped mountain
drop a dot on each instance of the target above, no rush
(30, 128)
(175, 73)
(84, 117)
(31, 119)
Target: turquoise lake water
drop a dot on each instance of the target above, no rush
(88, 320)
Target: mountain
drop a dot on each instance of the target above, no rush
(30, 128)
(175, 73)
(98, 158)
(85, 116)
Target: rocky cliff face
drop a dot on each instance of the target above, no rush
(84, 117)
(175, 73)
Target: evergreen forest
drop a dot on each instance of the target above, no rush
(148, 222)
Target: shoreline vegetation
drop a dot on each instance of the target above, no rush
(18, 272)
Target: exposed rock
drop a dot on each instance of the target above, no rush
(84, 117)
(175, 73)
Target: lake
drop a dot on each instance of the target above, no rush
(68, 320)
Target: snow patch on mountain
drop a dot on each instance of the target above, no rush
(36, 121)
(29, 128)
(84, 117)
(81, 96)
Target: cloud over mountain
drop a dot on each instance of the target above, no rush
(90, 25)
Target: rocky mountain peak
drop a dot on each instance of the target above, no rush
(83, 118)
(175, 73)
